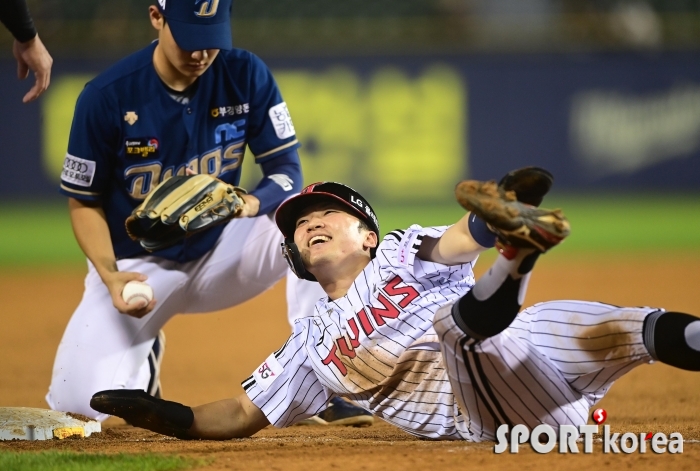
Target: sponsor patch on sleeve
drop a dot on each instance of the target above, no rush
(282, 180)
(282, 121)
(268, 372)
(406, 244)
(78, 171)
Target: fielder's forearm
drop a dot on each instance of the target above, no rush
(456, 246)
(92, 233)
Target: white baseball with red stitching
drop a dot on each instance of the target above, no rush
(137, 292)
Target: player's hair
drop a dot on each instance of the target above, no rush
(364, 226)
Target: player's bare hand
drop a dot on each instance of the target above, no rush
(115, 283)
(251, 206)
(32, 55)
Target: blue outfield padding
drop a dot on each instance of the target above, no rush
(384, 125)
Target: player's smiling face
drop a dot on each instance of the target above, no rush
(329, 237)
(175, 66)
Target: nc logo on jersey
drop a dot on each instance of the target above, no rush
(229, 131)
(207, 9)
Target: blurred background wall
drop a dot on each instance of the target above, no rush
(390, 94)
(403, 98)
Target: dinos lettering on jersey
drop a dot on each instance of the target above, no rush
(142, 178)
(389, 310)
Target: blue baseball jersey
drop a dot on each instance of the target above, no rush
(129, 134)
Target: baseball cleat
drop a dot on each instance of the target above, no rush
(340, 412)
(140, 409)
(530, 184)
(516, 224)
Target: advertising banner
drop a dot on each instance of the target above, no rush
(407, 128)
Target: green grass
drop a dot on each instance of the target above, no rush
(598, 223)
(40, 234)
(70, 461)
(37, 234)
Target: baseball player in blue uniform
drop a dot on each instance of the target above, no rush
(186, 103)
(406, 332)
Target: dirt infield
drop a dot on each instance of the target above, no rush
(208, 355)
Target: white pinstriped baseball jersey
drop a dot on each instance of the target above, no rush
(376, 345)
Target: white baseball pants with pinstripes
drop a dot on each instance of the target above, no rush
(555, 361)
(103, 349)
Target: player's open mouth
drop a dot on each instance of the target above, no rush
(319, 239)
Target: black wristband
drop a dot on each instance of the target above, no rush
(14, 14)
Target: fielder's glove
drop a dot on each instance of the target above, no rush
(181, 206)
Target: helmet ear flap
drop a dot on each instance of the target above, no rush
(293, 257)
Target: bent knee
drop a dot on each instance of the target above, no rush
(76, 399)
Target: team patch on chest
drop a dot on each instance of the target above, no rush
(141, 147)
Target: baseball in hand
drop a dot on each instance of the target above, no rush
(137, 293)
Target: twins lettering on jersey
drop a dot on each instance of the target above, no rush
(393, 299)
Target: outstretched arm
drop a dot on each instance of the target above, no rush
(230, 418)
(470, 236)
(221, 420)
(457, 245)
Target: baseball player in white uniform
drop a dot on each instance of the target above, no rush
(406, 332)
